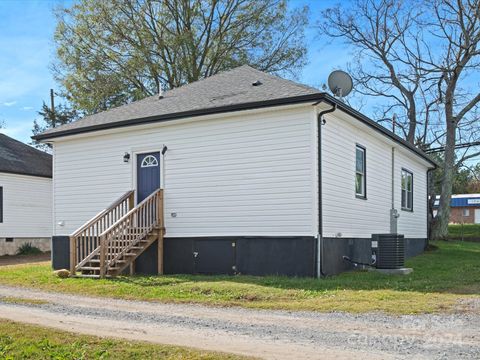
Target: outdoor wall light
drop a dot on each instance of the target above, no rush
(126, 157)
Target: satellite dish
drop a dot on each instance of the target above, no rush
(340, 83)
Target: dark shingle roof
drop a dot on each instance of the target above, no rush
(227, 91)
(19, 158)
(228, 88)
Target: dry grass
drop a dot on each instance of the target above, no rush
(21, 341)
(441, 279)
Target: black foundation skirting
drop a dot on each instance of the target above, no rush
(359, 250)
(60, 252)
(289, 256)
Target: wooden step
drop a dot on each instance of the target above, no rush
(98, 261)
(87, 276)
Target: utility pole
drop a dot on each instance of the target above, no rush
(52, 104)
(394, 122)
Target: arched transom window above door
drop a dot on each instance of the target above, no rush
(149, 161)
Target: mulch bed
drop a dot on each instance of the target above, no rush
(23, 259)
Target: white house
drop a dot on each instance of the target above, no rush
(248, 184)
(25, 196)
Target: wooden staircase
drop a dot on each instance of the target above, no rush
(109, 243)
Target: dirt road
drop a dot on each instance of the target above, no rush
(265, 334)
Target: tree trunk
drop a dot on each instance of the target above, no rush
(440, 225)
(431, 204)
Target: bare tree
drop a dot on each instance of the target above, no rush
(382, 33)
(417, 57)
(456, 24)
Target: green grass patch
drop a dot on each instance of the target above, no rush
(20, 301)
(467, 231)
(440, 278)
(21, 341)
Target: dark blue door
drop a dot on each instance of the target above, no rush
(148, 174)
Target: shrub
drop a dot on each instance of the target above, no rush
(28, 249)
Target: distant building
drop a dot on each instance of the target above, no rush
(25, 196)
(465, 208)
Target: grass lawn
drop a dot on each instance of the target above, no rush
(470, 231)
(440, 278)
(21, 341)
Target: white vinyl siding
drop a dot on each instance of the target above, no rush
(412, 224)
(241, 174)
(346, 215)
(27, 206)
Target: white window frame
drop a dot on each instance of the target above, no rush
(363, 173)
(465, 212)
(149, 161)
(406, 194)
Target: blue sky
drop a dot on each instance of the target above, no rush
(27, 49)
(26, 29)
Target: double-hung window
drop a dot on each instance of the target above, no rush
(407, 190)
(360, 172)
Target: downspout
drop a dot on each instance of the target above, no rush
(394, 215)
(320, 123)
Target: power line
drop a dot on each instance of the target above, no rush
(458, 146)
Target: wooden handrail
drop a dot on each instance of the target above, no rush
(134, 209)
(117, 202)
(129, 230)
(84, 242)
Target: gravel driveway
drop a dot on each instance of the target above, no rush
(266, 334)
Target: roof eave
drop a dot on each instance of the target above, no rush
(25, 174)
(181, 115)
(358, 115)
(321, 96)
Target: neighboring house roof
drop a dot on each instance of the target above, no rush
(462, 200)
(19, 158)
(238, 89)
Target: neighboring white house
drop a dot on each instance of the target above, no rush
(25, 196)
(238, 157)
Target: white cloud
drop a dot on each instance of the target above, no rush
(26, 108)
(9, 103)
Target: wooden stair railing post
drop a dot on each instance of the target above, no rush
(73, 255)
(131, 201)
(160, 230)
(131, 205)
(103, 253)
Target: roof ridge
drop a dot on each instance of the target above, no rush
(170, 90)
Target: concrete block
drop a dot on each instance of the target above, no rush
(401, 271)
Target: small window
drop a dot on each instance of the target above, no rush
(407, 190)
(466, 212)
(149, 161)
(360, 173)
(1, 204)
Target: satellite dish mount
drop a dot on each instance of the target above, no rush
(340, 83)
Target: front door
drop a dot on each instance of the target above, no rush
(148, 174)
